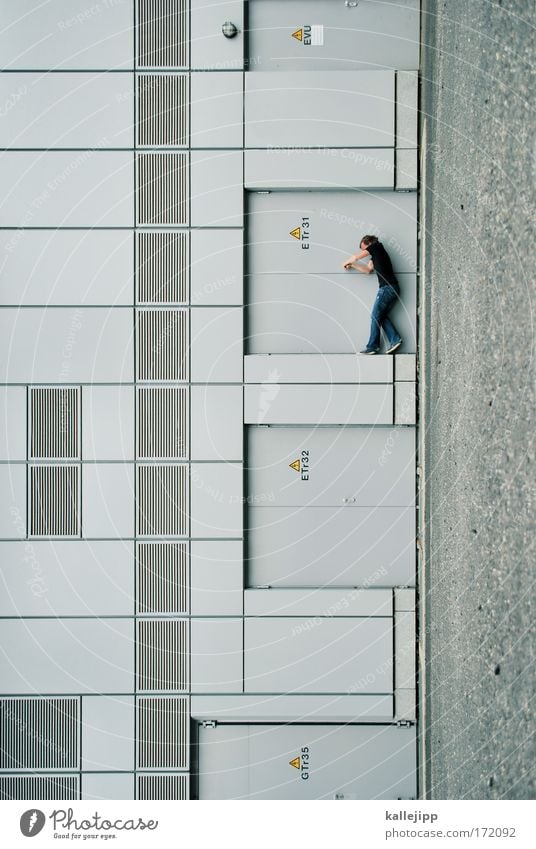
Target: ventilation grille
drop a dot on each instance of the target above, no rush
(54, 501)
(163, 188)
(163, 577)
(163, 739)
(163, 654)
(162, 345)
(162, 423)
(39, 787)
(54, 423)
(162, 110)
(164, 787)
(163, 260)
(39, 734)
(162, 500)
(162, 33)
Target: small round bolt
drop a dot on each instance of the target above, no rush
(229, 29)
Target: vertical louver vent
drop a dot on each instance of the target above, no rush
(163, 654)
(164, 787)
(162, 345)
(163, 423)
(162, 33)
(162, 500)
(163, 740)
(162, 110)
(163, 188)
(163, 260)
(39, 733)
(54, 501)
(163, 577)
(39, 787)
(54, 423)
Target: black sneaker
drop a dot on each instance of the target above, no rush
(394, 347)
(368, 351)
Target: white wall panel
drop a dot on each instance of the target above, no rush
(66, 345)
(217, 267)
(67, 35)
(68, 110)
(216, 500)
(119, 785)
(405, 404)
(12, 423)
(108, 423)
(57, 578)
(217, 655)
(309, 108)
(66, 267)
(66, 656)
(407, 106)
(216, 423)
(108, 500)
(324, 405)
(216, 110)
(12, 501)
(318, 602)
(209, 48)
(217, 578)
(217, 188)
(324, 168)
(216, 345)
(405, 367)
(107, 732)
(317, 368)
(87, 188)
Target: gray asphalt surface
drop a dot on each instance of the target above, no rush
(478, 373)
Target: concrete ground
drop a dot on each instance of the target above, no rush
(477, 402)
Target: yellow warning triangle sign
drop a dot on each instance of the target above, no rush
(296, 232)
(295, 762)
(298, 34)
(296, 465)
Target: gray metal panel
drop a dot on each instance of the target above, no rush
(12, 423)
(379, 34)
(288, 708)
(217, 578)
(326, 655)
(406, 170)
(216, 423)
(88, 188)
(108, 423)
(66, 345)
(333, 226)
(217, 267)
(340, 467)
(216, 500)
(56, 578)
(306, 109)
(323, 546)
(216, 346)
(108, 500)
(107, 785)
(73, 36)
(405, 404)
(405, 650)
(405, 367)
(217, 193)
(317, 368)
(405, 599)
(326, 405)
(90, 267)
(216, 110)
(308, 313)
(318, 602)
(342, 762)
(107, 732)
(67, 656)
(67, 110)
(12, 501)
(210, 49)
(325, 168)
(407, 106)
(217, 655)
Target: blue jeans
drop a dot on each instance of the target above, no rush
(385, 301)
